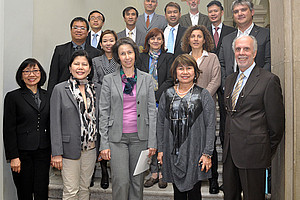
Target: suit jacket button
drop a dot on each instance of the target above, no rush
(138, 102)
(139, 115)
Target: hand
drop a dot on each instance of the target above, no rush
(206, 163)
(56, 162)
(15, 165)
(160, 157)
(105, 154)
(152, 151)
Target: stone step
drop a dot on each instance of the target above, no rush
(154, 192)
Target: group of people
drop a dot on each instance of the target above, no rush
(153, 86)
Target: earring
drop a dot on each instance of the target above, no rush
(176, 80)
(195, 79)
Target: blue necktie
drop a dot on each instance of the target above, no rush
(94, 41)
(170, 44)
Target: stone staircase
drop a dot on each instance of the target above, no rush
(152, 193)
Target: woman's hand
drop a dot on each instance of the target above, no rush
(56, 162)
(105, 154)
(152, 151)
(15, 165)
(160, 157)
(206, 163)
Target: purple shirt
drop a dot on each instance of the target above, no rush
(129, 112)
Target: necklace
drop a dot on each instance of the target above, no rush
(183, 93)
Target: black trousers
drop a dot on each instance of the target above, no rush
(193, 194)
(33, 179)
(222, 111)
(214, 161)
(236, 180)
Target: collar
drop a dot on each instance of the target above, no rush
(248, 71)
(191, 15)
(99, 33)
(175, 27)
(246, 32)
(75, 45)
(133, 31)
(220, 26)
(150, 16)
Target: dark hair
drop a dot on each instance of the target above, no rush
(96, 11)
(31, 62)
(173, 4)
(207, 46)
(106, 32)
(184, 60)
(86, 55)
(127, 9)
(123, 41)
(152, 33)
(217, 3)
(81, 19)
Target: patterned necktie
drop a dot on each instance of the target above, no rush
(236, 90)
(78, 47)
(94, 41)
(130, 34)
(170, 45)
(216, 36)
(148, 21)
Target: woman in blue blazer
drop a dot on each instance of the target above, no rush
(74, 127)
(127, 121)
(26, 132)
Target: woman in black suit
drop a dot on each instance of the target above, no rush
(157, 63)
(26, 132)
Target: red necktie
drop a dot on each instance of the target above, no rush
(148, 21)
(216, 36)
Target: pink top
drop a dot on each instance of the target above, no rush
(129, 112)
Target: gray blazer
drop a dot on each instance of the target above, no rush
(139, 39)
(111, 107)
(65, 122)
(158, 21)
(186, 21)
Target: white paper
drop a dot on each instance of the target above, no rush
(143, 163)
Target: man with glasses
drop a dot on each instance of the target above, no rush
(96, 20)
(59, 69)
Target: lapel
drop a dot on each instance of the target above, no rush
(68, 52)
(144, 22)
(180, 33)
(139, 82)
(88, 39)
(250, 84)
(154, 19)
(254, 31)
(118, 82)
(70, 95)
(122, 34)
(145, 58)
(138, 37)
(231, 86)
(161, 59)
(187, 20)
(43, 97)
(28, 98)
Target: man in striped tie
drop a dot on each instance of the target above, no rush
(254, 123)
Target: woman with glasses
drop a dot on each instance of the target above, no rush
(26, 133)
(185, 130)
(74, 127)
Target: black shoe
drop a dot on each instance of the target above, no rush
(150, 182)
(104, 182)
(213, 186)
(221, 188)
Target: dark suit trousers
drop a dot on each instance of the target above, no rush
(33, 179)
(193, 194)
(236, 180)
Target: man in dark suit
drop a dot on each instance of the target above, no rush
(194, 17)
(254, 123)
(96, 20)
(243, 15)
(174, 31)
(59, 69)
(150, 19)
(130, 15)
(218, 30)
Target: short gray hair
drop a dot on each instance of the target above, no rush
(242, 2)
(241, 36)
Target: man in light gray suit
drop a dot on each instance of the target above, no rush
(194, 17)
(150, 19)
(130, 15)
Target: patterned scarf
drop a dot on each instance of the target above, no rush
(153, 67)
(108, 66)
(129, 82)
(87, 116)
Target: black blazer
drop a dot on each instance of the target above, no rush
(164, 63)
(59, 69)
(25, 126)
(224, 31)
(88, 41)
(180, 33)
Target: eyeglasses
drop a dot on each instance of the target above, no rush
(79, 28)
(35, 72)
(98, 18)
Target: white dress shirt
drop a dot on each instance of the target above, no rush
(167, 32)
(194, 19)
(98, 36)
(133, 33)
